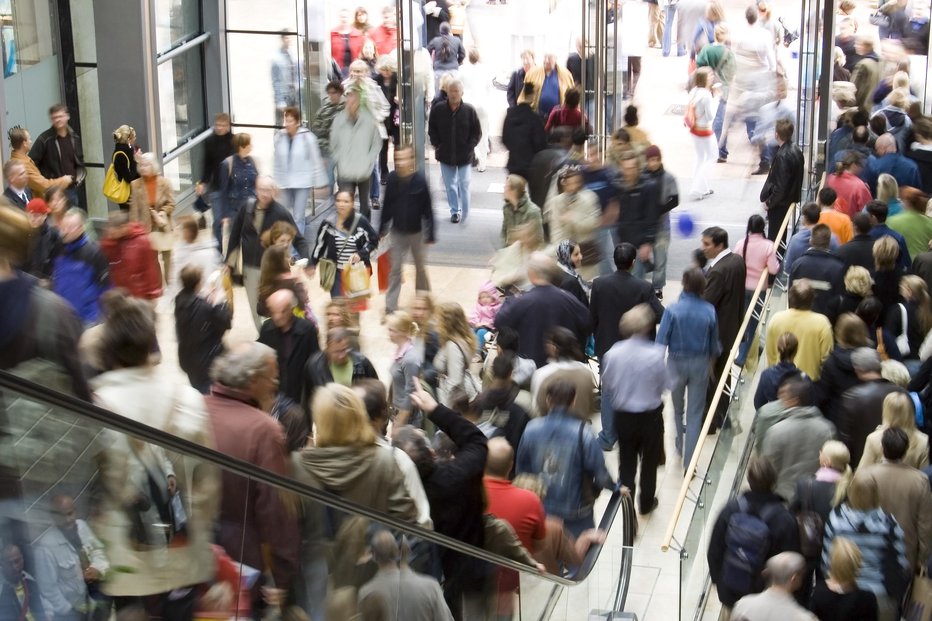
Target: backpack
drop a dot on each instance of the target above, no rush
(811, 526)
(446, 52)
(747, 545)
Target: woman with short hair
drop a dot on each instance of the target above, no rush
(151, 203)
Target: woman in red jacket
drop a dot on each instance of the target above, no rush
(133, 263)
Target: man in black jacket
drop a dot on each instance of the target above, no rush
(408, 210)
(784, 183)
(545, 164)
(861, 410)
(523, 135)
(638, 211)
(294, 339)
(454, 131)
(455, 492)
(17, 190)
(250, 223)
(199, 325)
(58, 152)
(217, 147)
(860, 250)
(339, 363)
(824, 270)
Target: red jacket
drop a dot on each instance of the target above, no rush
(338, 49)
(385, 39)
(133, 263)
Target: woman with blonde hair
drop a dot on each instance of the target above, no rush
(151, 203)
(427, 341)
(875, 533)
(838, 598)
(858, 285)
(345, 459)
(912, 318)
(888, 191)
(457, 344)
(886, 275)
(899, 412)
(125, 155)
(405, 370)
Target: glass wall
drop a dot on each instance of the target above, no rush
(96, 150)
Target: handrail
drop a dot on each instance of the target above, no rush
(720, 388)
(246, 469)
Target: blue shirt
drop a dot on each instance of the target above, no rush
(903, 261)
(690, 328)
(550, 448)
(903, 169)
(634, 375)
(549, 94)
(798, 246)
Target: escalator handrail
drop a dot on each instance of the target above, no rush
(110, 420)
(720, 390)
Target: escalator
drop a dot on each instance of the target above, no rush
(54, 447)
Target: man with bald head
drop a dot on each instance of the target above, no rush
(294, 340)
(519, 507)
(887, 160)
(542, 308)
(785, 573)
(246, 232)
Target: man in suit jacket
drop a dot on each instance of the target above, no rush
(612, 296)
(17, 190)
(725, 273)
(293, 338)
(544, 306)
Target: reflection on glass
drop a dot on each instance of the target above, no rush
(25, 34)
(181, 98)
(175, 21)
(180, 170)
(261, 70)
(275, 15)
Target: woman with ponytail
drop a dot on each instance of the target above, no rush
(405, 370)
(853, 193)
(759, 254)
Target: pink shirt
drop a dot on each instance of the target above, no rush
(761, 255)
(853, 193)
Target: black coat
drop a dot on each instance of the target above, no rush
(432, 23)
(784, 184)
(923, 159)
(784, 537)
(543, 307)
(243, 233)
(124, 167)
(858, 251)
(827, 274)
(216, 149)
(523, 135)
(612, 296)
(407, 206)
(10, 608)
(304, 344)
(14, 198)
(317, 372)
(44, 153)
(724, 290)
(199, 326)
(922, 267)
(454, 135)
(515, 87)
(638, 212)
(45, 245)
(544, 166)
(860, 413)
(837, 376)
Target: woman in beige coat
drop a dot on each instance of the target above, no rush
(152, 201)
(898, 412)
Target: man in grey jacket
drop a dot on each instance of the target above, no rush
(355, 143)
(793, 443)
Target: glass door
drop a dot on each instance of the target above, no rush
(413, 80)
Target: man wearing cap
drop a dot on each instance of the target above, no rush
(44, 240)
(17, 192)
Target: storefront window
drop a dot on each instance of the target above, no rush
(181, 98)
(176, 21)
(25, 34)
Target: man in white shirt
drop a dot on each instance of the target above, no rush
(16, 191)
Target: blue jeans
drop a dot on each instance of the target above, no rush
(218, 211)
(748, 339)
(661, 250)
(456, 184)
(717, 124)
(295, 201)
(669, 21)
(608, 436)
(690, 382)
(375, 183)
(331, 166)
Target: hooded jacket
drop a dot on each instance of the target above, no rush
(133, 265)
(793, 445)
(899, 125)
(884, 568)
(484, 314)
(524, 136)
(367, 475)
(80, 274)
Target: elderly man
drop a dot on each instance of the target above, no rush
(861, 409)
(786, 572)
(80, 271)
(551, 81)
(17, 190)
(543, 307)
(294, 340)
(69, 558)
(454, 131)
(634, 379)
(887, 160)
(339, 363)
(253, 516)
(250, 223)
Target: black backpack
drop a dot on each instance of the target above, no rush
(747, 546)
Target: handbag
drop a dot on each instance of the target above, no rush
(689, 118)
(114, 189)
(902, 341)
(160, 221)
(919, 607)
(356, 280)
(589, 489)
(327, 268)
(811, 527)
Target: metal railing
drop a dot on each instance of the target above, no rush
(726, 383)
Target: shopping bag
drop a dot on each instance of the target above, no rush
(356, 280)
(383, 267)
(114, 189)
(919, 607)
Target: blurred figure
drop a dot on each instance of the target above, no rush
(448, 53)
(345, 42)
(81, 271)
(217, 148)
(516, 82)
(551, 83)
(58, 152)
(297, 165)
(321, 125)
(355, 143)
(191, 249)
(284, 78)
(200, 323)
(524, 136)
(44, 241)
(70, 563)
(476, 82)
(385, 35)
(338, 363)
(133, 265)
(20, 596)
(124, 138)
(152, 203)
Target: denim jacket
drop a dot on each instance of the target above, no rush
(690, 328)
(59, 572)
(549, 448)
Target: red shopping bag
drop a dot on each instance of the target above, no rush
(383, 267)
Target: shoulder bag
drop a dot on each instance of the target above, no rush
(115, 189)
(811, 526)
(902, 341)
(327, 268)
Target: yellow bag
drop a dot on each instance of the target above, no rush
(356, 280)
(114, 189)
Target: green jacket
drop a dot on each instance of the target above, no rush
(513, 218)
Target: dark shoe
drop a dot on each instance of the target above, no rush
(761, 170)
(659, 294)
(455, 218)
(721, 160)
(649, 509)
(374, 203)
(709, 193)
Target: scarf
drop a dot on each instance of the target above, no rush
(564, 260)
